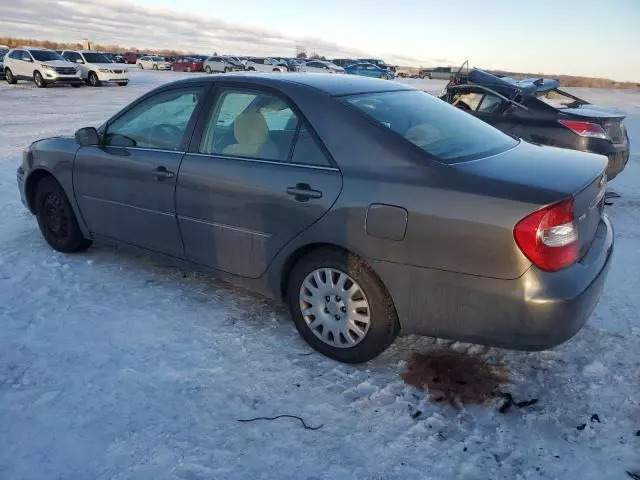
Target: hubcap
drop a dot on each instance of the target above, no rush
(54, 217)
(335, 308)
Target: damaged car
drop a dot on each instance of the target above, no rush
(538, 111)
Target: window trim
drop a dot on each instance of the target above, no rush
(189, 131)
(212, 99)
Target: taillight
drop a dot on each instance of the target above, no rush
(549, 236)
(585, 129)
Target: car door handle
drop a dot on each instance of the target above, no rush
(161, 173)
(303, 192)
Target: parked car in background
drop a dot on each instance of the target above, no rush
(436, 73)
(153, 62)
(42, 66)
(344, 62)
(319, 66)
(369, 70)
(457, 230)
(114, 57)
(187, 64)
(264, 64)
(131, 58)
(2, 54)
(295, 64)
(538, 111)
(376, 61)
(220, 64)
(96, 68)
(235, 61)
(4, 49)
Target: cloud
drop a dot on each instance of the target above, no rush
(126, 24)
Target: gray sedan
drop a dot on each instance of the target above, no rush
(370, 207)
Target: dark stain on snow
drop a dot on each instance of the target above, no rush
(455, 377)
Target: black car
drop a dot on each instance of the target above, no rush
(539, 112)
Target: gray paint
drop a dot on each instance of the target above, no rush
(455, 271)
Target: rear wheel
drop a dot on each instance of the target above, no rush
(226, 69)
(155, 67)
(93, 79)
(122, 84)
(340, 307)
(276, 69)
(251, 69)
(56, 219)
(208, 70)
(8, 76)
(39, 81)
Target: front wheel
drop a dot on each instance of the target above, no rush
(38, 80)
(8, 76)
(56, 219)
(208, 70)
(155, 67)
(340, 307)
(93, 79)
(140, 66)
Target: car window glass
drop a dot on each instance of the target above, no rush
(158, 122)
(432, 125)
(490, 103)
(307, 151)
(467, 101)
(250, 124)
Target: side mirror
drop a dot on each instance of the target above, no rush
(28, 59)
(79, 60)
(87, 136)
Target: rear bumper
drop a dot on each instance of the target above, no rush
(618, 154)
(537, 311)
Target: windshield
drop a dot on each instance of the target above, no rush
(44, 55)
(558, 99)
(157, 59)
(439, 129)
(95, 58)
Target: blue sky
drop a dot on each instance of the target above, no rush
(586, 37)
(590, 37)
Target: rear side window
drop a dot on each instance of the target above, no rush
(442, 131)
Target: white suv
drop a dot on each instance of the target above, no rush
(262, 64)
(41, 65)
(95, 68)
(220, 64)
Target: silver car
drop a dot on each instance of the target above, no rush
(153, 62)
(370, 207)
(220, 64)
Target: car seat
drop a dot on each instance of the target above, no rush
(252, 134)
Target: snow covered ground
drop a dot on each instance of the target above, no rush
(116, 366)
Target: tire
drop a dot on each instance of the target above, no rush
(56, 219)
(226, 69)
(385, 77)
(276, 69)
(155, 67)
(189, 69)
(383, 326)
(123, 84)
(251, 69)
(8, 76)
(173, 69)
(38, 80)
(93, 79)
(208, 70)
(76, 85)
(140, 66)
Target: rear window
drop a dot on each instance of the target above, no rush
(558, 99)
(439, 129)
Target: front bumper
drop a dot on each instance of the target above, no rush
(50, 77)
(113, 77)
(537, 311)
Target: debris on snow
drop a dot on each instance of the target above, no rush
(304, 424)
(595, 369)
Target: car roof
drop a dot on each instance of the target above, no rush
(335, 85)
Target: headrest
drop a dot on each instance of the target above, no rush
(251, 128)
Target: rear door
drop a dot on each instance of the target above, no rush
(255, 177)
(125, 188)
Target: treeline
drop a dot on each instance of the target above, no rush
(12, 42)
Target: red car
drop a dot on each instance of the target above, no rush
(131, 57)
(188, 64)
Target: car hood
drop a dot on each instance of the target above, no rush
(57, 63)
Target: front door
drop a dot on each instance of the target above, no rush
(255, 177)
(125, 188)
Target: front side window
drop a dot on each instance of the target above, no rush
(159, 122)
(442, 131)
(44, 55)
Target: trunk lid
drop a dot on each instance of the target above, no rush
(555, 174)
(609, 118)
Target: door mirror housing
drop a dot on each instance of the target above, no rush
(79, 60)
(87, 136)
(27, 59)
